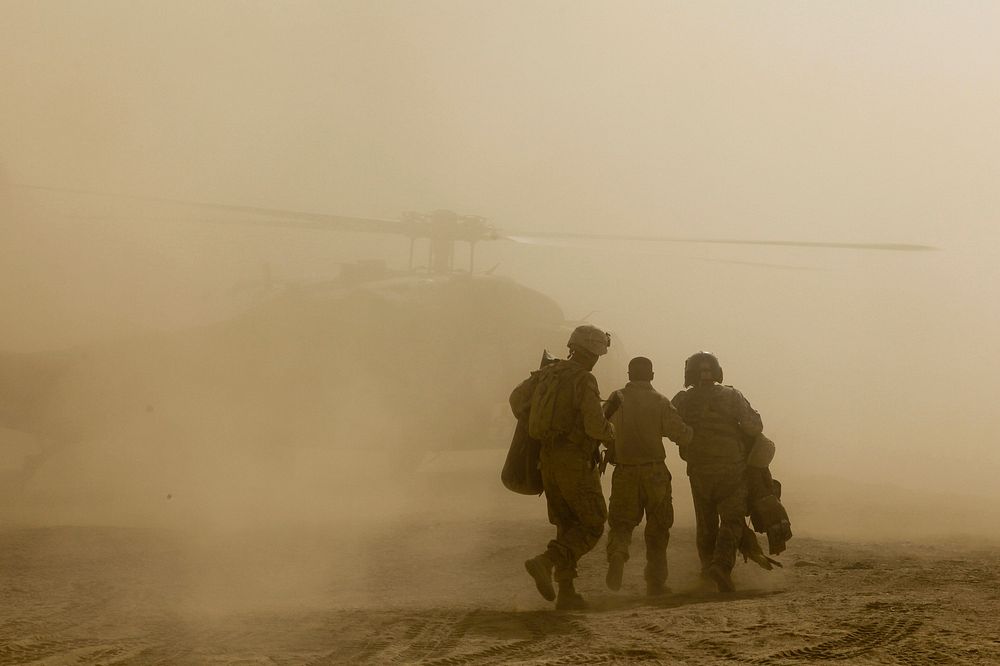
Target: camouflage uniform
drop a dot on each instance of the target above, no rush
(641, 480)
(716, 464)
(572, 484)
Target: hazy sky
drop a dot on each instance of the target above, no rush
(826, 121)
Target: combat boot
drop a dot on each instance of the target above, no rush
(721, 577)
(540, 568)
(569, 598)
(656, 588)
(616, 569)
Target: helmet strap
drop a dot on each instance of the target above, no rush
(583, 356)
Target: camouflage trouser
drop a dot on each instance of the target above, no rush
(634, 489)
(720, 502)
(575, 503)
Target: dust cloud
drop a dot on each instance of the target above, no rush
(167, 368)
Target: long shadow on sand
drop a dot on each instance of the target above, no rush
(510, 625)
(552, 636)
(606, 603)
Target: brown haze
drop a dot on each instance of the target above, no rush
(874, 371)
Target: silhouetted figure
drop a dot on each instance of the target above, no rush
(641, 417)
(562, 404)
(716, 462)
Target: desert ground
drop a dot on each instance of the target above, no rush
(442, 583)
(137, 596)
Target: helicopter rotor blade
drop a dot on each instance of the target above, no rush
(304, 219)
(894, 247)
(755, 264)
(200, 220)
(280, 217)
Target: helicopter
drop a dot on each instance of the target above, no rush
(409, 362)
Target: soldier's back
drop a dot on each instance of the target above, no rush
(553, 403)
(717, 446)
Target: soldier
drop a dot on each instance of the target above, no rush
(716, 462)
(641, 417)
(563, 407)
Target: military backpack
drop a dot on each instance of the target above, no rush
(552, 412)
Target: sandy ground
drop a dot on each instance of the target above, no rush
(330, 563)
(420, 590)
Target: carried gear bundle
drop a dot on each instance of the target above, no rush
(521, 472)
(767, 514)
(750, 550)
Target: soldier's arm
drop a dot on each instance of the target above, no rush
(747, 416)
(678, 403)
(594, 424)
(673, 427)
(611, 407)
(613, 403)
(520, 397)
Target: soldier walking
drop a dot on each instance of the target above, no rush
(723, 421)
(563, 406)
(641, 417)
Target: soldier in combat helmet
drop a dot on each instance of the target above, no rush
(723, 420)
(641, 416)
(563, 406)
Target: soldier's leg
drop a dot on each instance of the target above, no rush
(732, 506)
(561, 515)
(590, 513)
(624, 513)
(585, 501)
(624, 510)
(541, 566)
(659, 519)
(706, 518)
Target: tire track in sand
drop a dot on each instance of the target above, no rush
(862, 640)
(26, 650)
(541, 627)
(547, 634)
(427, 635)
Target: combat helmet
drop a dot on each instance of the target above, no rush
(692, 368)
(590, 338)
